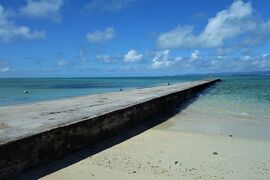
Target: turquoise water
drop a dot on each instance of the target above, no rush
(239, 105)
(40, 89)
(243, 95)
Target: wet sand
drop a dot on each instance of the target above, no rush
(2, 125)
(164, 152)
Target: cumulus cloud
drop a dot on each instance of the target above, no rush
(261, 62)
(101, 36)
(108, 59)
(6, 69)
(167, 61)
(82, 56)
(266, 55)
(195, 55)
(104, 58)
(63, 63)
(162, 60)
(132, 56)
(245, 63)
(11, 32)
(108, 5)
(43, 9)
(246, 57)
(238, 21)
(212, 64)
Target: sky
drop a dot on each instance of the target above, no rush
(86, 38)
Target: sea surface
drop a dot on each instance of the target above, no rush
(241, 99)
(238, 106)
(237, 101)
(40, 89)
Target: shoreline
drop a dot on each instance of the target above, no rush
(203, 141)
(39, 133)
(164, 153)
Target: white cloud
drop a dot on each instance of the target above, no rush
(246, 57)
(245, 63)
(83, 56)
(195, 55)
(177, 38)
(6, 69)
(43, 9)
(109, 5)
(108, 59)
(104, 58)
(253, 63)
(221, 57)
(162, 60)
(166, 61)
(228, 24)
(132, 56)
(178, 58)
(62, 63)
(11, 32)
(101, 36)
(266, 55)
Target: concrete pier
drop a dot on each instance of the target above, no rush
(37, 133)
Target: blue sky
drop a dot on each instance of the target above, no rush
(47, 38)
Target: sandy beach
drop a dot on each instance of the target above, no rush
(134, 90)
(171, 150)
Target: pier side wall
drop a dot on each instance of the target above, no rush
(20, 155)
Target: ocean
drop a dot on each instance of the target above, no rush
(41, 89)
(237, 106)
(244, 100)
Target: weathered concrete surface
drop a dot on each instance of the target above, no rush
(37, 133)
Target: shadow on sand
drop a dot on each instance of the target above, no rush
(68, 160)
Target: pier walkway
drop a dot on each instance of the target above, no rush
(37, 133)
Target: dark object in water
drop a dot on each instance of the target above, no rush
(121, 89)
(231, 135)
(25, 91)
(175, 162)
(168, 84)
(215, 153)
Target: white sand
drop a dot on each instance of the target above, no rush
(163, 153)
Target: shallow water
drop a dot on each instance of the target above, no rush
(40, 89)
(238, 106)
